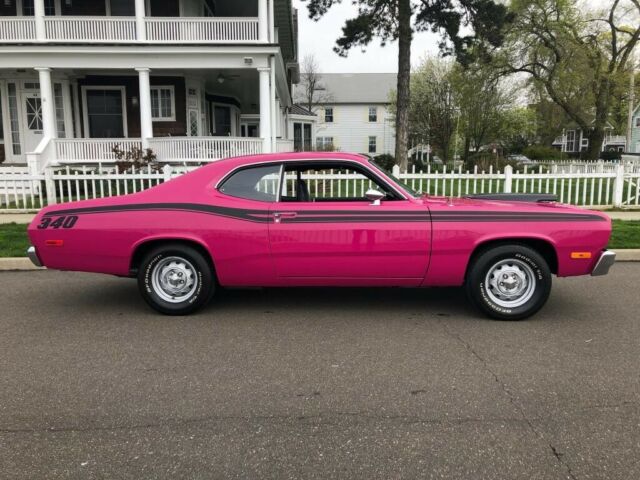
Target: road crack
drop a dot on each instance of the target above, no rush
(512, 399)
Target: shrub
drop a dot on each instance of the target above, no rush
(136, 157)
(386, 161)
(542, 152)
(610, 155)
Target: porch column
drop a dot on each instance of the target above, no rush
(146, 123)
(265, 109)
(272, 105)
(46, 101)
(38, 13)
(263, 21)
(141, 31)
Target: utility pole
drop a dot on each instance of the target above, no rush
(632, 78)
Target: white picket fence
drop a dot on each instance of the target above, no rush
(21, 190)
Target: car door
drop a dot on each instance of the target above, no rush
(323, 227)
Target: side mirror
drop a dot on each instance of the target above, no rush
(375, 196)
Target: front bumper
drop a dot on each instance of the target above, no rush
(604, 263)
(33, 256)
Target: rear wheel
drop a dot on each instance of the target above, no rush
(176, 279)
(509, 282)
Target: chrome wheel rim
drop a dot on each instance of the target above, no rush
(510, 283)
(174, 279)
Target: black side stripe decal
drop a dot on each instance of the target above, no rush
(326, 216)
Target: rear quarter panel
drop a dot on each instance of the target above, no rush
(454, 242)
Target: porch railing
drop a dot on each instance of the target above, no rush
(283, 146)
(196, 29)
(92, 150)
(90, 29)
(17, 29)
(203, 149)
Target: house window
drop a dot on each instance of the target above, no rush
(14, 120)
(324, 143)
(373, 147)
(373, 114)
(328, 114)
(28, 10)
(59, 104)
(163, 104)
(637, 121)
(209, 8)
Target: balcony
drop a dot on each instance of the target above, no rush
(101, 29)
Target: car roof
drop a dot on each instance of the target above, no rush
(297, 156)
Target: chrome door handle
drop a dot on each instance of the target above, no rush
(278, 216)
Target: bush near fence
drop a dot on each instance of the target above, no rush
(589, 184)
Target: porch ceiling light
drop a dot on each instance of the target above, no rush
(221, 78)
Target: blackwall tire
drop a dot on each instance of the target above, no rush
(509, 282)
(176, 279)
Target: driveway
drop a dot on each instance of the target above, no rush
(357, 384)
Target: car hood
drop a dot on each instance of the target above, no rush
(492, 205)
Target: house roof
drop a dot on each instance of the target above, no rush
(300, 110)
(358, 87)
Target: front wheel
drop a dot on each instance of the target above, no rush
(509, 282)
(176, 279)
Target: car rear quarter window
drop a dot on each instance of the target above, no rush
(253, 183)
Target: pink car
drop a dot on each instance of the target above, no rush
(321, 219)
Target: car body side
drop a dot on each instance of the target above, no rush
(235, 233)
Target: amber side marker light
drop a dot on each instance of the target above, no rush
(54, 243)
(580, 255)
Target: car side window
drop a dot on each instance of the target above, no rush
(339, 183)
(254, 183)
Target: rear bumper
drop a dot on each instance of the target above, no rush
(33, 256)
(604, 263)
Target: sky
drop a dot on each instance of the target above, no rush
(319, 38)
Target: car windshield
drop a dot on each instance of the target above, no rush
(410, 191)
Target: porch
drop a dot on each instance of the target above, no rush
(139, 21)
(76, 116)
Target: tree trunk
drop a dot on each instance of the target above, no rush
(404, 79)
(596, 138)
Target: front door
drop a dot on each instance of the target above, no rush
(325, 229)
(32, 120)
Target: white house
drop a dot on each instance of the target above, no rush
(635, 131)
(354, 115)
(574, 140)
(193, 80)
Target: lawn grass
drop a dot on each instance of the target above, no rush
(14, 241)
(626, 234)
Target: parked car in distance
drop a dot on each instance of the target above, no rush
(521, 160)
(288, 220)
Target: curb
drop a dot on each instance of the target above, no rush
(17, 264)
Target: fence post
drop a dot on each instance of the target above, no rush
(618, 186)
(396, 170)
(166, 170)
(508, 178)
(50, 186)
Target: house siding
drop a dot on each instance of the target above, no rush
(351, 128)
(160, 129)
(635, 134)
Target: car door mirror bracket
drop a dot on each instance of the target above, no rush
(375, 196)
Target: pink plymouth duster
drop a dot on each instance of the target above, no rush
(284, 220)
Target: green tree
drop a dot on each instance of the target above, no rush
(574, 54)
(433, 109)
(391, 20)
(482, 100)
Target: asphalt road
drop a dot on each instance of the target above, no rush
(357, 384)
